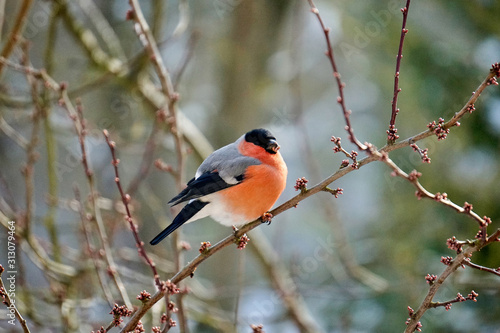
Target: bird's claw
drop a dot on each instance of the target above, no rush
(266, 218)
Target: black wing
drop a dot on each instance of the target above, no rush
(207, 183)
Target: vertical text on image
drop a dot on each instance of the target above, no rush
(10, 287)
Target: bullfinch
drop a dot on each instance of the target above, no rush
(235, 185)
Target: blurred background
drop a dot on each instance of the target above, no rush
(357, 261)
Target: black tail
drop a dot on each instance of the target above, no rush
(186, 213)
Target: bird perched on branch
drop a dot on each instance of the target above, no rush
(236, 184)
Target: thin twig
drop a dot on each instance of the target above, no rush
(15, 34)
(450, 123)
(391, 132)
(170, 118)
(151, 47)
(457, 262)
(343, 248)
(495, 271)
(76, 114)
(336, 74)
(470, 297)
(126, 199)
(423, 193)
(193, 39)
(90, 248)
(10, 304)
(181, 313)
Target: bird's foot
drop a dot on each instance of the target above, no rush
(266, 218)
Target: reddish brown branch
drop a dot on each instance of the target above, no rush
(422, 152)
(336, 74)
(168, 113)
(495, 271)
(6, 299)
(76, 115)
(126, 199)
(413, 323)
(15, 34)
(447, 305)
(494, 71)
(352, 155)
(145, 35)
(421, 192)
(391, 132)
(461, 259)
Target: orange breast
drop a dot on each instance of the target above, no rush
(259, 190)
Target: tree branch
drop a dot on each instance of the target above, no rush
(10, 305)
(189, 269)
(336, 74)
(15, 34)
(457, 262)
(126, 199)
(495, 271)
(391, 132)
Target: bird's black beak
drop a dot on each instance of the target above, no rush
(272, 147)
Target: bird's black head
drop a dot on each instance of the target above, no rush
(263, 138)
